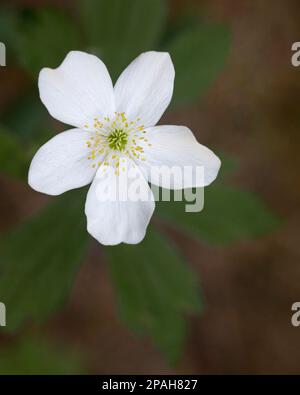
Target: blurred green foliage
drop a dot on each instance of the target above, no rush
(199, 55)
(229, 215)
(28, 120)
(154, 290)
(9, 30)
(45, 37)
(34, 356)
(118, 31)
(39, 259)
(14, 160)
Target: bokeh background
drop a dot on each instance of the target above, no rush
(211, 293)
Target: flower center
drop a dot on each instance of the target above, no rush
(113, 139)
(117, 140)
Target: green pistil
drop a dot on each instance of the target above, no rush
(117, 140)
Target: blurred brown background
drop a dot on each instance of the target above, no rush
(252, 112)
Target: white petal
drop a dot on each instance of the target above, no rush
(61, 164)
(175, 149)
(145, 87)
(113, 219)
(79, 90)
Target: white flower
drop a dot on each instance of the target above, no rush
(114, 125)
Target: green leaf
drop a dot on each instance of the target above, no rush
(119, 30)
(155, 289)
(29, 120)
(47, 35)
(35, 356)
(199, 56)
(229, 165)
(229, 215)
(9, 29)
(39, 259)
(13, 158)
